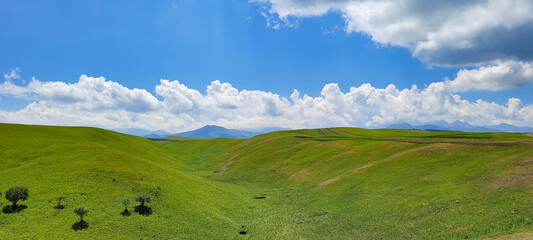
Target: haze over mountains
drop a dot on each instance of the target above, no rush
(213, 131)
(461, 127)
(208, 131)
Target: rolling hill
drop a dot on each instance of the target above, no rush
(97, 168)
(338, 183)
(461, 126)
(347, 183)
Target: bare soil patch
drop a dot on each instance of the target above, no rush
(224, 166)
(299, 176)
(327, 182)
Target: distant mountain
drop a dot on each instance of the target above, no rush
(143, 132)
(153, 135)
(433, 127)
(504, 127)
(401, 126)
(212, 131)
(460, 126)
(272, 129)
(426, 127)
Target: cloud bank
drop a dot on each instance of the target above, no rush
(175, 107)
(440, 32)
(495, 35)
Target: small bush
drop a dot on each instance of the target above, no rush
(126, 202)
(81, 211)
(59, 199)
(142, 198)
(16, 194)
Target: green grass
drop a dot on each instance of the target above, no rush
(81, 163)
(341, 183)
(383, 184)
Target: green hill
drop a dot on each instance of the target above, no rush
(341, 183)
(97, 168)
(347, 183)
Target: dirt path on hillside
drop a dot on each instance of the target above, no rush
(224, 166)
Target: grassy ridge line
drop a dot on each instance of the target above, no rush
(81, 163)
(391, 184)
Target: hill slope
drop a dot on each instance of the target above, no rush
(340, 183)
(97, 168)
(346, 183)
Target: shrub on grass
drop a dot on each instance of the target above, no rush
(16, 194)
(126, 202)
(59, 199)
(81, 211)
(142, 198)
(142, 209)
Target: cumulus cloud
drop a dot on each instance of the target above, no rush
(102, 103)
(92, 94)
(222, 99)
(503, 76)
(441, 32)
(495, 35)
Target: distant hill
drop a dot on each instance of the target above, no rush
(212, 131)
(461, 126)
(143, 132)
(426, 127)
(153, 135)
(504, 127)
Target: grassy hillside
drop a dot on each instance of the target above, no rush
(347, 183)
(97, 168)
(340, 183)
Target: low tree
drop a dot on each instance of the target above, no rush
(126, 202)
(59, 199)
(81, 211)
(142, 198)
(16, 194)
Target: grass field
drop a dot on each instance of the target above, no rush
(340, 183)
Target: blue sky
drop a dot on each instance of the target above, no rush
(197, 42)
(250, 45)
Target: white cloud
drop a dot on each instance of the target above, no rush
(505, 75)
(495, 35)
(222, 99)
(8, 88)
(94, 94)
(102, 103)
(441, 32)
(12, 75)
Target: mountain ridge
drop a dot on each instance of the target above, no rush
(213, 131)
(460, 126)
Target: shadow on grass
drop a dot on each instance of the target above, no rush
(143, 210)
(59, 207)
(125, 213)
(80, 225)
(9, 209)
